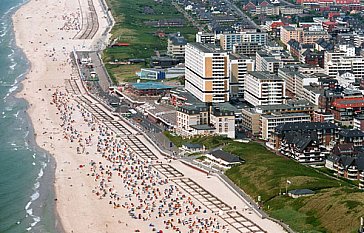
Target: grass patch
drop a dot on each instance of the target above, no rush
(124, 73)
(335, 207)
(209, 142)
(130, 27)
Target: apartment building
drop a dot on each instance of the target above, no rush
(326, 132)
(205, 38)
(224, 121)
(292, 106)
(263, 88)
(270, 122)
(176, 46)
(239, 65)
(304, 148)
(291, 33)
(344, 64)
(295, 81)
(351, 136)
(207, 72)
(268, 62)
(191, 115)
(251, 120)
(228, 40)
(201, 119)
(310, 37)
(246, 48)
(351, 168)
(312, 93)
(301, 35)
(345, 109)
(359, 122)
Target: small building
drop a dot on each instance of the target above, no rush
(223, 159)
(149, 89)
(176, 46)
(300, 193)
(350, 167)
(163, 62)
(152, 74)
(192, 148)
(354, 136)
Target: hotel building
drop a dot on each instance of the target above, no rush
(263, 88)
(207, 72)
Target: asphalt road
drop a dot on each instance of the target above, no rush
(241, 13)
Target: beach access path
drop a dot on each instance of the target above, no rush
(46, 30)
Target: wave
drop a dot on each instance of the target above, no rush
(10, 91)
(11, 10)
(12, 67)
(17, 114)
(40, 174)
(34, 197)
(8, 109)
(12, 53)
(4, 30)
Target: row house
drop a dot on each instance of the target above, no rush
(303, 147)
(354, 136)
(350, 167)
(327, 133)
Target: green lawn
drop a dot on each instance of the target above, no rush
(124, 73)
(336, 206)
(130, 27)
(209, 142)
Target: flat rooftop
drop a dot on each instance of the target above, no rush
(151, 86)
(207, 48)
(264, 75)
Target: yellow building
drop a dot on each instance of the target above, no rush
(207, 72)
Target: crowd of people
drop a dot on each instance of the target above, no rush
(131, 183)
(71, 21)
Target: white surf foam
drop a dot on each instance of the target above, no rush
(34, 196)
(40, 174)
(11, 90)
(17, 114)
(36, 185)
(12, 67)
(12, 53)
(28, 205)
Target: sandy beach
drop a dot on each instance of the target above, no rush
(102, 183)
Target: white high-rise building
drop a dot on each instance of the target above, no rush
(263, 88)
(207, 72)
(340, 62)
(239, 65)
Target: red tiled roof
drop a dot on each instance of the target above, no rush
(349, 102)
(264, 3)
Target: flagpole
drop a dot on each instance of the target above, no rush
(286, 188)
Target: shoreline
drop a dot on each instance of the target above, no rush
(50, 175)
(49, 170)
(47, 179)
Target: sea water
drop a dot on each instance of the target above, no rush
(26, 171)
